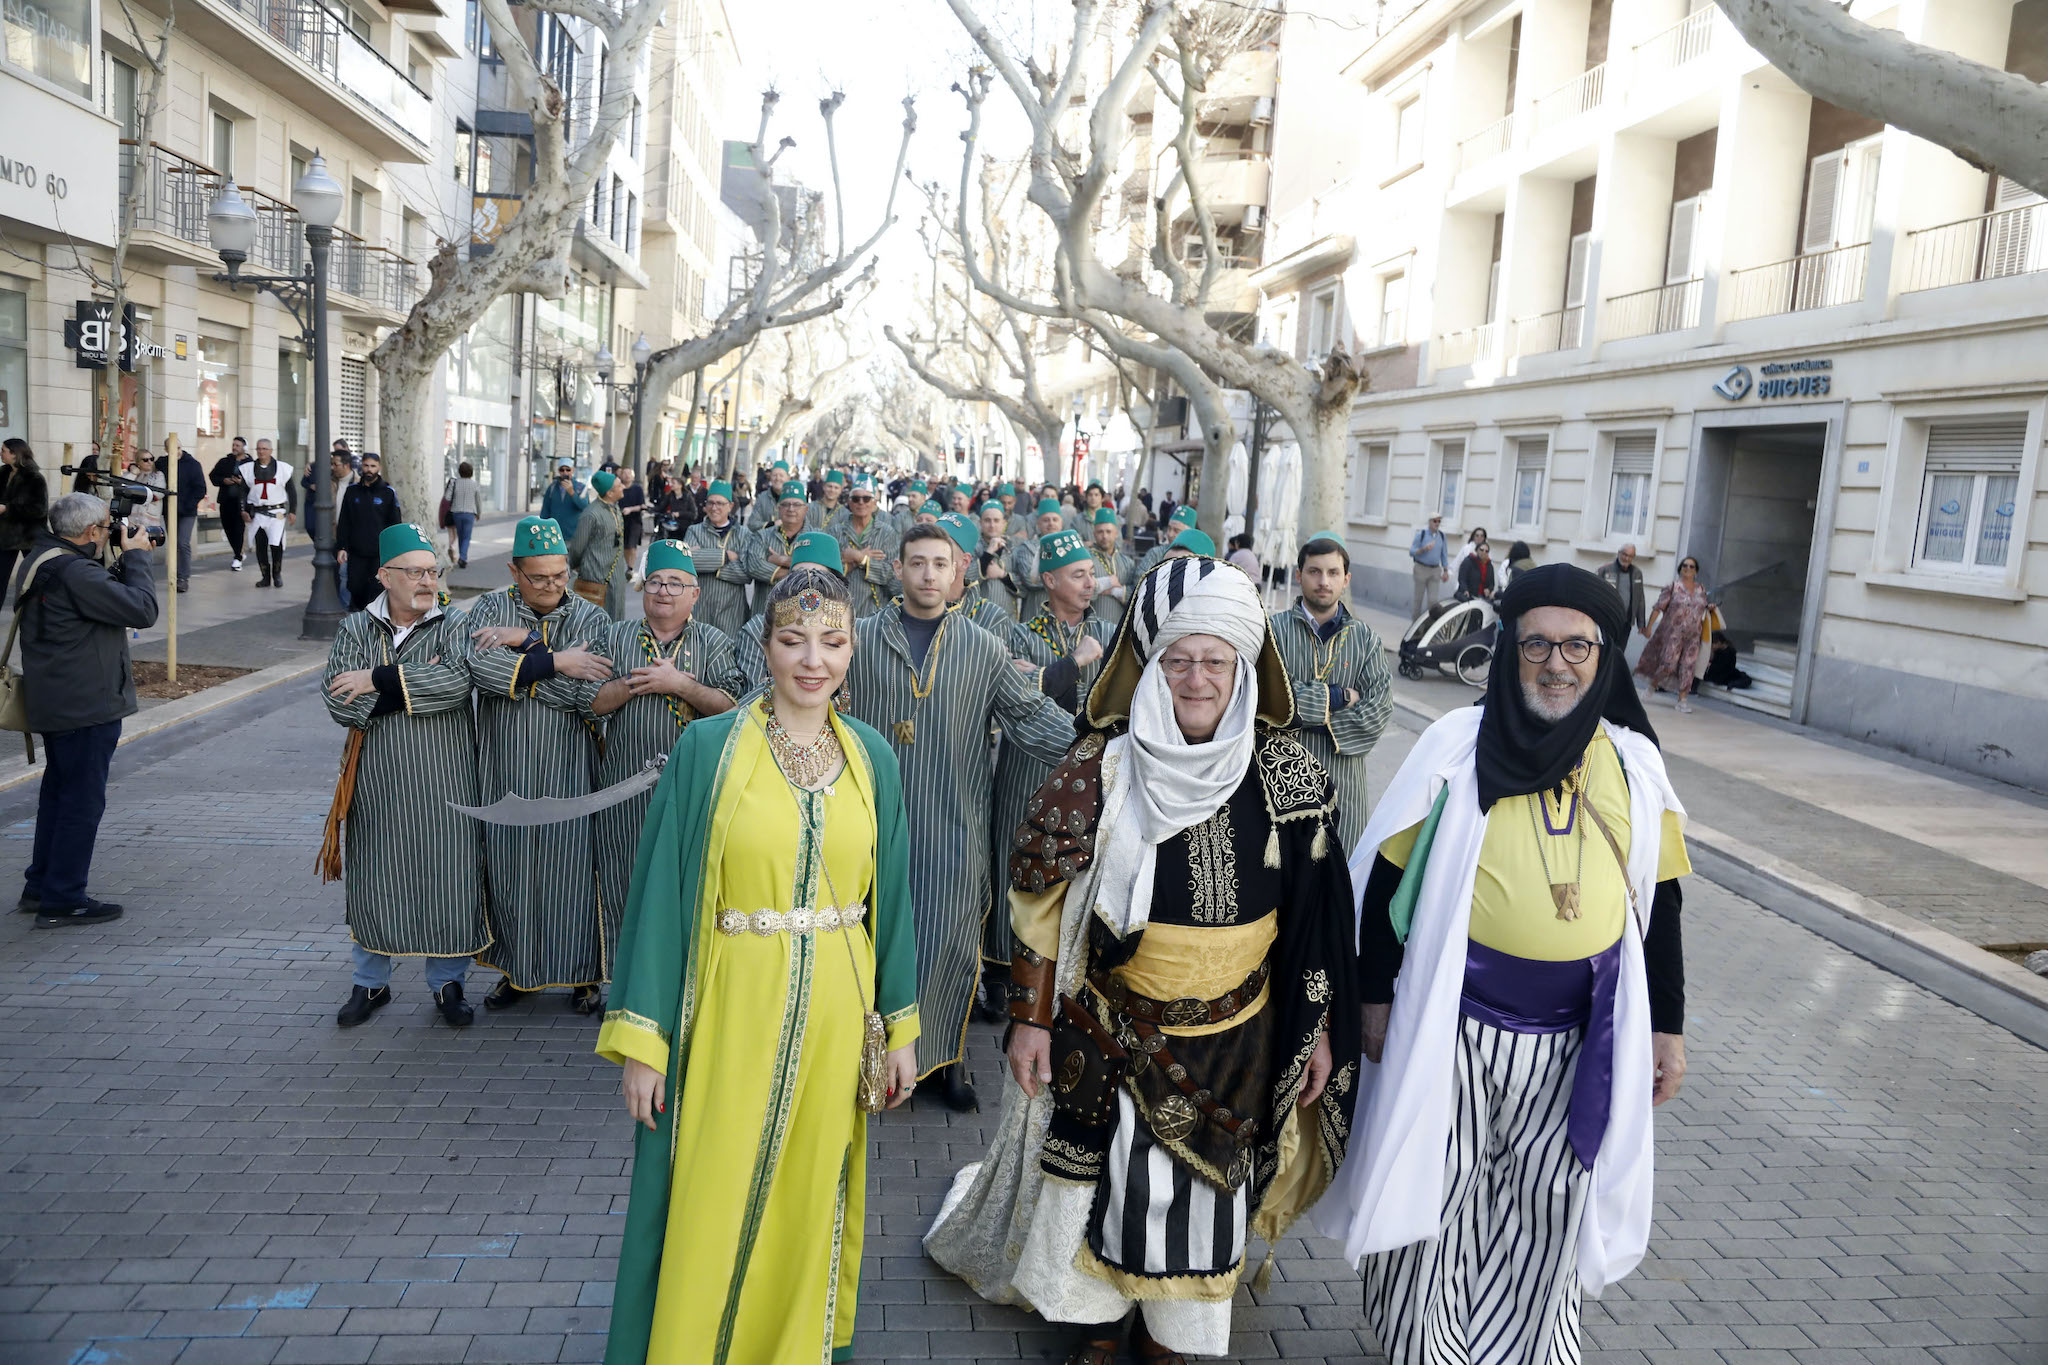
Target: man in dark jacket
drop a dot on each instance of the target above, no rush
(1626, 579)
(367, 506)
(77, 688)
(191, 492)
(231, 495)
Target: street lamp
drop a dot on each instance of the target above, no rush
(606, 363)
(231, 224)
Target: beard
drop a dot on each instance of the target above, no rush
(1546, 704)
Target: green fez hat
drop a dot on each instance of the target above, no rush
(719, 489)
(996, 505)
(401, 539)
(1333, 537)
(962, 529)
(782, 465)
(1007, 490)
(1183, 515)
(819, 548)
(1096, 484)
(793, 491)
(670, 554)
(603, 481)
(1104, 517)
(1060, 549)
(918, 486)
(834, 476)
(1195, 541)
(536, 536)
(1049, 507)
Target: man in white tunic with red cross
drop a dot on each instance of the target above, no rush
(273, 505)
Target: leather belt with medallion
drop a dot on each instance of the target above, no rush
(1185, 1012)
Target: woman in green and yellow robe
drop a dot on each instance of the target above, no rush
(743, 1237)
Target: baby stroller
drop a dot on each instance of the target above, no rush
(1455, 638)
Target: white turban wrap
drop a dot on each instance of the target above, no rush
(1156, 783)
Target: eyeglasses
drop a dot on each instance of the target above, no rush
(661, 587)
(1211, 668)
(416, 575)
(553, 580)
(1538, 650)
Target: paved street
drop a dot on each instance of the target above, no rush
(203, 1169)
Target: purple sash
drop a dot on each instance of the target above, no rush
(1522, 995)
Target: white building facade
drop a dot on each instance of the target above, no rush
(1617, 281)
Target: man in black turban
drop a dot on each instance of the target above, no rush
(1525, 997)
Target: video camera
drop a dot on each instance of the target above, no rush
(123, 496)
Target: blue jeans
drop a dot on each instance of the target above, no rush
(68, 811)
(465, 523)
(374, 969)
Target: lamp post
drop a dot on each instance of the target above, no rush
(632, 388)
(231, 225)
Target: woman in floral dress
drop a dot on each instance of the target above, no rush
(1675, 633)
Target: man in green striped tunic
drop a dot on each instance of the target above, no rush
(719, 549)
(750, 658)
(867, 546)
(764, 510)
(537, 664)
(1343, 693)
(597, 553)
(667, 670)
(1024, 564)
(398, 676)
(914, 495)
(1113, 568)
(768, 553)
(1015, 521)
(1059, 651)
(964, 597)
(1094, 498)
(1183, 519)
(821, 515)
(933, 684)
(994, 562)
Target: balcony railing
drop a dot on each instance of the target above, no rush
(311, 32)
(1667, 308)
(1546, 332)
(176, 191)
(1472, 346)
(1580, 95)
(1989, 246)
(1819, 279)
(1488, 143)
(1685, 41)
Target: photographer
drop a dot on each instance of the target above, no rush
(77, 687)
(564, 501)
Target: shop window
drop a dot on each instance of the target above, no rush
(13, 364)
(1969, 495)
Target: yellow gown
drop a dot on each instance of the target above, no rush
(761, 1254)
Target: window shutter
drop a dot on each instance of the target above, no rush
(1532, 452)
(1635, 452)
(1678, 256)
(1983, 447)
(2009, 244)
(1575, 272)
(352, 406)
(1823, 200)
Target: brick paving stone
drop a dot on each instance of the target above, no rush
(1854, 1172)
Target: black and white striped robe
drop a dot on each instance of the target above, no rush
(413, 868)
(1042, 641)
(537, 740)
(948, 790)
(1340, 739)
(724, 585)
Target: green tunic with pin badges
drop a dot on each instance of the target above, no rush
(534, 738)
(413, 880)
(1344, 654)
(874, 584)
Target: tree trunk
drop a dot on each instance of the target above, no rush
(405, 435)
(1325, 472)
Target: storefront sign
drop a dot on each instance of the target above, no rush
(44, 140)
(88, 333)
(1780, 381)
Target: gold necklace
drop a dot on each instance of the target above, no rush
(905, 731)
(1564, 895)
(805, 765)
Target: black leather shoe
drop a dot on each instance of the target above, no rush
(453, 1007)
(956, 1092)
(587, 999)
(30, 905)
(503, 995)
(92, 912)
(362, 1003)
(993, 1004)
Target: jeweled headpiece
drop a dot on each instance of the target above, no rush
(809, 606)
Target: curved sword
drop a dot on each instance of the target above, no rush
(550, 810)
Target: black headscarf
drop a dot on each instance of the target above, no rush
(1521, 752)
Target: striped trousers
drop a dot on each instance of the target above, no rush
(1500, 1284)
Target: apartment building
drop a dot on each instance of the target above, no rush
(1616, 280)
(255, 89)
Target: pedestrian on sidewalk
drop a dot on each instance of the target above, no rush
(24, 502)
(412, 875)
(632, 507)
(191, 492)
(231, 496)
(369, 507)
(564, 500)
(465, 505)
(1622, 574)
(597, 552)
(1677, 631)
(1431, 554)
(273, 505)
(77, 686)
(1524, 997)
